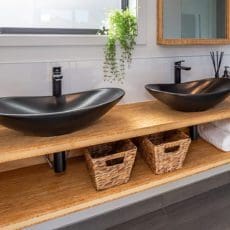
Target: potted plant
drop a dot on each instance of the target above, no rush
(122, 33)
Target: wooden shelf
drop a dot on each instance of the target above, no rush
(124, 121)
(35, 194)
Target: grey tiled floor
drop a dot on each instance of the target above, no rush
(208, 211)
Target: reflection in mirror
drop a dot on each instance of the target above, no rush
(194, 19)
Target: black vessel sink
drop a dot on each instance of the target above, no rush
(49, 116)
(192, 96)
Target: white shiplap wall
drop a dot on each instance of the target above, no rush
(26, 70)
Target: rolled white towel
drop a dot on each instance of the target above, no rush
(216, 136)
(223, 124)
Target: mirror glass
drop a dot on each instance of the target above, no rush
(194, 19)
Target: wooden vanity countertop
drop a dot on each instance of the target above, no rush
(122, 122)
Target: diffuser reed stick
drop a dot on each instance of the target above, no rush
(217, 61)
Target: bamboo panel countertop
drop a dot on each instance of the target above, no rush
(123, 121)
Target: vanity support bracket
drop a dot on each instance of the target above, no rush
(59, 162)
(193, 130)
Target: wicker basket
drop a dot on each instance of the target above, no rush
(111, 164)
(165, 152)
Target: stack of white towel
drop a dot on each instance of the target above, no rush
(217, 133)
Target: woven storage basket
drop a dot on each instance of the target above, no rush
(165, 152)
(111, 164)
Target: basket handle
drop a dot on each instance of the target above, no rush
(115, 161)
(171, 150)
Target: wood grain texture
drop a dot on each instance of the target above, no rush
(23, 163)
(35, 194)
(189, 41)
(122, 122)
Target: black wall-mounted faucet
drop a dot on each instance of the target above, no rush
(177, 69)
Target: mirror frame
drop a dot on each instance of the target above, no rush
(189, 41)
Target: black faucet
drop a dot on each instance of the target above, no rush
(226, 72)
(177, 68)
(59, 158)
(193, 130)
(57, 81)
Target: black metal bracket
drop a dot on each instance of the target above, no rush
(193, 130)
(58, 163)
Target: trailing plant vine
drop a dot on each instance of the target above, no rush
(122, 32)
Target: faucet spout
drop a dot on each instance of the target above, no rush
(185, 68)
(177, 68)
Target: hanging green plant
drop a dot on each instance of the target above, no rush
(122, 33)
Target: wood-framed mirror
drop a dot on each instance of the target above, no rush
(193, 22)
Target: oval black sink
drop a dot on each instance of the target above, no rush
(192, 96)
(49, 116)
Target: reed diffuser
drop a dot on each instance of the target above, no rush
(217, 59)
